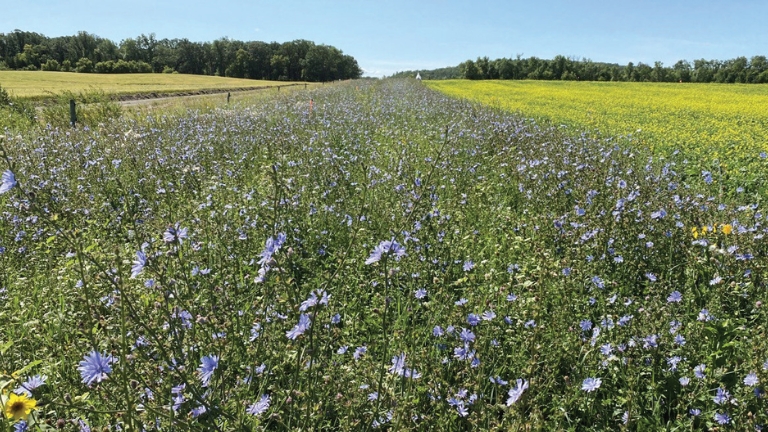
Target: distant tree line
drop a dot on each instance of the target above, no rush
(738, 70)
(451, 72)
(298, 60)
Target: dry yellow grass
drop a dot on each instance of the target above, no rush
(38, 84)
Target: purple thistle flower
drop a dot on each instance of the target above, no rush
(95, 367)
(208, 364)
(8, 181)
(258, 408)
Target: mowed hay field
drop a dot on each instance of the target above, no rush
(35, 84)
(725, 125)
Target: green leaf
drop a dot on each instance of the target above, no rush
(29, 366)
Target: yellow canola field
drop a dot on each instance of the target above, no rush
(713, 124)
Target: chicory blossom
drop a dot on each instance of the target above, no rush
(591, 384)
(208, 364)
(385, 248)
(95, 367)
(138, 264)
(517, 391)
(257, 408)
(300, 328)
(27, 387)
(8, 181)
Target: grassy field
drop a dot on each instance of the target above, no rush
(388, 258)
(37, 84)
(724, 125)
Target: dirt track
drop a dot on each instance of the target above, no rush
(147, 98)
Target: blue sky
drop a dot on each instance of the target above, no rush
(390, 36)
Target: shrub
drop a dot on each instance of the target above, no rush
(51, 65)
(84, 65)
(105, 66)
(121, 66)
(139, 67)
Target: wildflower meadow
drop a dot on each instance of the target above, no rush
(373, 256)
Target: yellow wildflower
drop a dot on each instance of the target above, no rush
(726, 229)
(695, 232)
(19, 407)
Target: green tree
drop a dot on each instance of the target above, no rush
(659, 74)
(279, 67)
(469, 70)
(240, 67)
(682, 71)
(84, 65)
(51, 65)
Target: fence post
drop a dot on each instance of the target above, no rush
(72, 113)
(228, 95)
(305, 86)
